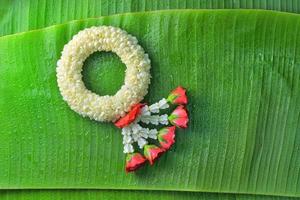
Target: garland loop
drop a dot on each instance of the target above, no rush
(69, 77)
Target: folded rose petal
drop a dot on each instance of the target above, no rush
(152, 153)
(166, 137)
(130, 116)
(178, 96)
(134, 161)
(179, 117)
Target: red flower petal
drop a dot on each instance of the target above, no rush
(178, 96)
(152, 153)
(166, 137)
(134, 161)
(179, 117)
(130, 116)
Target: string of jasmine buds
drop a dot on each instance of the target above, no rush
(165, 136)
(136, 133)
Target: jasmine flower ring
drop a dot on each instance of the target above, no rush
(69, 77)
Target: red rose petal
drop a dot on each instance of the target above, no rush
(178, 96)
(166, 137)
(152, 153)
(130, 116)
(134, 161)
(179, 117)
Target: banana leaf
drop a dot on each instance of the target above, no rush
(125, 194)
(20, 16)
(241, 68)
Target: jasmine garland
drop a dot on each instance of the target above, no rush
(123, 108)
(69, 78)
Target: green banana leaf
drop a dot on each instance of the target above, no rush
(125, 194)
(19, 16)
(241, 69)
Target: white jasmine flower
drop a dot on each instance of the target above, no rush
(135, 128)
(144, 133)
(135, 137)
(153, 134)
(128, 148)
(153, 119)
(154, 108)
(163, 119)
(126, 131)
(127, 139)
(142, 142)
(163, 104)
(145, 111)
(145, 119)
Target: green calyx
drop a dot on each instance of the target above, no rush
(171, 98)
